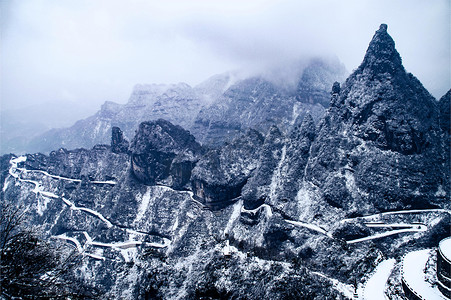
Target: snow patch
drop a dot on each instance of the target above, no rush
(276, 178)
(145, 200)
(5, 185)
(176, 224)
(129, 254)
(346, 290)
(416, 193)
(235, 215)
(440, 192)
(226, 249)
(42, 204)
(296, 112)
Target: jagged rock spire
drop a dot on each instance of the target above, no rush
(119, 144)
(381, 56)
(378, 146)
(308, 127)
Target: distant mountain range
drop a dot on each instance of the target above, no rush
(218, 109)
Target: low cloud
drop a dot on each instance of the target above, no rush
(92, 51)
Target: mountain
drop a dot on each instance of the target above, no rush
(259, 103)
(177, 103)
(305, 211)
(379, 144)
(221, 107)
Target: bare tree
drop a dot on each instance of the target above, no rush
(30, 268)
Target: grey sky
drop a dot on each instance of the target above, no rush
(91, 51)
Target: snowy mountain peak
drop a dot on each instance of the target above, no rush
(143, 93)
(381, 56)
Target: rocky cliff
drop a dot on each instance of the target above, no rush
(163, 152)
(220, 175)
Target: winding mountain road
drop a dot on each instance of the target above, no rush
(16, 173)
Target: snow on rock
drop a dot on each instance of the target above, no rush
(345, 289)
(440, 192)
(144, 203)
(41, 206)
(235, 215)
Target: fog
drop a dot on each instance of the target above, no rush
(78, 54)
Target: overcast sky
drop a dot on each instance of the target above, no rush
(91, 51)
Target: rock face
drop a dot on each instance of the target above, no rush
(444, 108)
(279, 176)
(80, 163)
(161, 150)
(258, 188)
(221, 174)
(293, 163)
(378, 145)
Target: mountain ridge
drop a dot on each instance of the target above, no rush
(205, 109)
